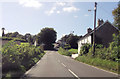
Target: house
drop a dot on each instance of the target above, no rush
(103, 34)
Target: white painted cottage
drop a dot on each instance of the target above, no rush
(103, 35)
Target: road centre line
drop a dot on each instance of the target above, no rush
(73, 73)
(63, 64)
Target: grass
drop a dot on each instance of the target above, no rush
(74, 51)
(95, 61)
(104, 64)
(67, 52)
(27, 44)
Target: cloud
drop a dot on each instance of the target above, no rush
(51, 11)
(30, 3)
(60, 7)
(75, 16)
(58, 12)
(86, 15)
(60, 3)
(70, 9)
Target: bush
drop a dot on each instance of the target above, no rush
(67, 46)
(64, 52)
(85, 49)
(19, 58)
(67, 52)
(73, 51)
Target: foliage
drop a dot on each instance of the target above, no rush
(73, 51)
(14, 34)
(12, 38)
(30, 40)
(116, 14)
(66, 46)
(47, 36)
(114, 47)
(71, 39)
(19, 58)
(85, 49)
(66, 52)
(105, 64)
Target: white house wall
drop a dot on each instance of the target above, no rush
(84, 41)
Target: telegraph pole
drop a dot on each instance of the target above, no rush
(95, 9)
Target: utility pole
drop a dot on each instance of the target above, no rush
(95, 9)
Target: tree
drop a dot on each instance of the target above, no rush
(27, 35)
(47, 36)
(3, 31)
(8, 34)
(71, 39)
(116, 14)
(116, 41)
(30, 40)
(14, 34)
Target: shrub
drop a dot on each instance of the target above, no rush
(73, 51)
(19, 58)
(63, 52)
(85, 49)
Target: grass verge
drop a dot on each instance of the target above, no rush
(104, 64)
(67, 52)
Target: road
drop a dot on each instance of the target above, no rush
(55, 65)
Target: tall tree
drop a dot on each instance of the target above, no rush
(116, 40)
(47, 36)
(71, 39)
(116, 14)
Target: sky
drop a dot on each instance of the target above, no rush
(30, 16)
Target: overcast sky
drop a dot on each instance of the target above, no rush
(30, 16)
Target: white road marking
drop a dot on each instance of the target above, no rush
(73, 73)
(63, 64)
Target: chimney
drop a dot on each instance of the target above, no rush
(89, 30)
(100, 22)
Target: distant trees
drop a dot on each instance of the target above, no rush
(71, 39)
(14, 34)
(47, 36)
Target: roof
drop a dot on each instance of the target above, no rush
(97, 29)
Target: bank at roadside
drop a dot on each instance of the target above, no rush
(101, 59)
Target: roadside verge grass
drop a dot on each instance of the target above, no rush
(67, 52)
(104, 64)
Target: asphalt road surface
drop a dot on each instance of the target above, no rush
(55, 65)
